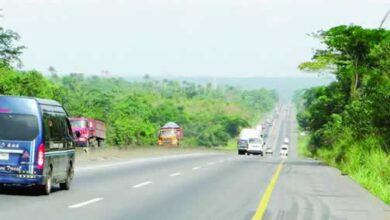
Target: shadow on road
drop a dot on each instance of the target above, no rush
(23, 191)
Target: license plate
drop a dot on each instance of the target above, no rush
(4, 156)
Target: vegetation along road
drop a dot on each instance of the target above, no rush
(323, 155)
(194, 186)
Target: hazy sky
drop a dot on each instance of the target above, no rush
(179, 37)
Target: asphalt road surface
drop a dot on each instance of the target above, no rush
(204, 186)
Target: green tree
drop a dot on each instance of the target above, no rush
(9, 52)
(347, 54)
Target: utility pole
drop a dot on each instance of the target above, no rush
(384, 19)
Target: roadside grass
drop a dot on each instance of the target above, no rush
(370, 168)
(303, 145)
(232, 145)
(361, 160)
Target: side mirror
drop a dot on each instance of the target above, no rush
(77, 134)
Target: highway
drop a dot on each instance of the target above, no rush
(204, 186)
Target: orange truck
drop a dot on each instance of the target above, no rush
(170, 134)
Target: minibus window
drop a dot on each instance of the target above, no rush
(18, 127)
(53, 127)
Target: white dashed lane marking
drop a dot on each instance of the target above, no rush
(142, 184)
(196, 168)
(210, 163)
(175, 174)
(81, 204)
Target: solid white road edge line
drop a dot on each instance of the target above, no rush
(142, 184)
(78, 205)
(175, 174)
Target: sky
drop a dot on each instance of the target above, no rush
(190, 38)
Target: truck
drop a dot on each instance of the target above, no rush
(170, 134)
(250, 142)
(259, 128)
(90, 132)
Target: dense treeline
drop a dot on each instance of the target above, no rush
(134, 111)
(349, 120)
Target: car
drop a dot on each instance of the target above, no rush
(284, 150)
(269, 151)
(36, 144)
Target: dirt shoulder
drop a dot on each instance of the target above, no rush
(110, 154)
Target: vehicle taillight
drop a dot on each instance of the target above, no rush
(41, 156)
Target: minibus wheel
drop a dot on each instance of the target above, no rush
(66, 185)
(46, 188)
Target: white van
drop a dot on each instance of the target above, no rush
(256, 146)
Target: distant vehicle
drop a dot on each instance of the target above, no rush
(243, 140)
(90, 132)
(250, 142)
(286, 140)
(255, 146)
(170, 134)
(284, 150)
(269, 150)
(36, 143)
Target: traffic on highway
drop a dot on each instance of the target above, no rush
(193, 186)
(194, 110)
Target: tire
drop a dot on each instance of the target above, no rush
(66, 185)
(47, 186)
(240, 152)
(94, 143)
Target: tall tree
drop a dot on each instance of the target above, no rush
(9, 52)
(347, 54)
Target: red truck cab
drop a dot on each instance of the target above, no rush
(91, 132)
